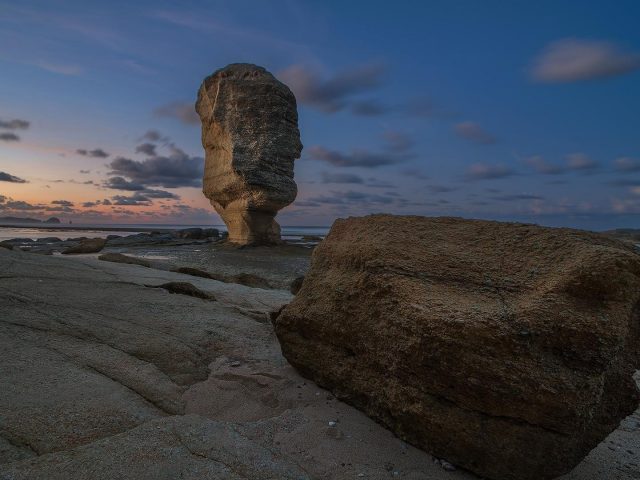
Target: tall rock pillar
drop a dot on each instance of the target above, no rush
(250, 136)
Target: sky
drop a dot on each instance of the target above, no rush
(507, 110)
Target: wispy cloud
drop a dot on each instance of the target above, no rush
(334, 93)
(474, 133)
(356, 158)
(59, 68)
(9, 137)
(627, 164)
(424, 107)
(398, 142)
(147, 149)
(236, 35)
(183, 111)
(575, 162)
(397, 148)
(142, 198)
(131, 201)
(369, 108)
(540, 165)
(120, 183)
(172, 171)
(63, 203)
(154, 136)
(441, 188)
(328, 177)
(581, 162)
(416, 173)
(95, 153)
(573, 60)
(483, 171)
(5, 177)
(351, 197)
(516, 197)
(20, 205)
(15, 124)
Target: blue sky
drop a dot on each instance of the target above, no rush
(525, 111)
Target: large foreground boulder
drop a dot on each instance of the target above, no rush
(250, 136)
(506, 349)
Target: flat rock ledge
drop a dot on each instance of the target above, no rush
(103, 377)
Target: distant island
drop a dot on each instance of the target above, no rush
(28, 220)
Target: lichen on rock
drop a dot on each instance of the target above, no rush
(250, 136)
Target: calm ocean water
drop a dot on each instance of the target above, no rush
(64, 231)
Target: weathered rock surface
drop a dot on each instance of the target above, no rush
(196, 272)
(247, 279)
(96, 371)
(48, 240)
(185, 288)
(506, 349)
(86, 354)
(189, 448)
(121, 258)
(250, 136)
(296, 285)
(197, 233)
(18, 241)
(90, 245)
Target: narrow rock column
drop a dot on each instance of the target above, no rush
(250, 136)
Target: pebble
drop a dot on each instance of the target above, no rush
(235, 364)
(444, 464)
(447, 466)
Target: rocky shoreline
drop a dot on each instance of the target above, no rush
(195, 248)
(114, 369)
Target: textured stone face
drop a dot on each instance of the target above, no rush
(506, 349)
(251, 139)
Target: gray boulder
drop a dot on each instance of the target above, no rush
(48, 240)
(121, 258)
(197, 233)
(92, 245)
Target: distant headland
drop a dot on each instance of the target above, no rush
(52, 220)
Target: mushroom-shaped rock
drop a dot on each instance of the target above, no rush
(250, 136)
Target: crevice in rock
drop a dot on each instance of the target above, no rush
(18, 442)
(79, 362)
(130, 388)
(92, 337)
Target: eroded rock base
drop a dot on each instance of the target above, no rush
(250, 226)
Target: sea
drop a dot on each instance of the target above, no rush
(65, 231)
